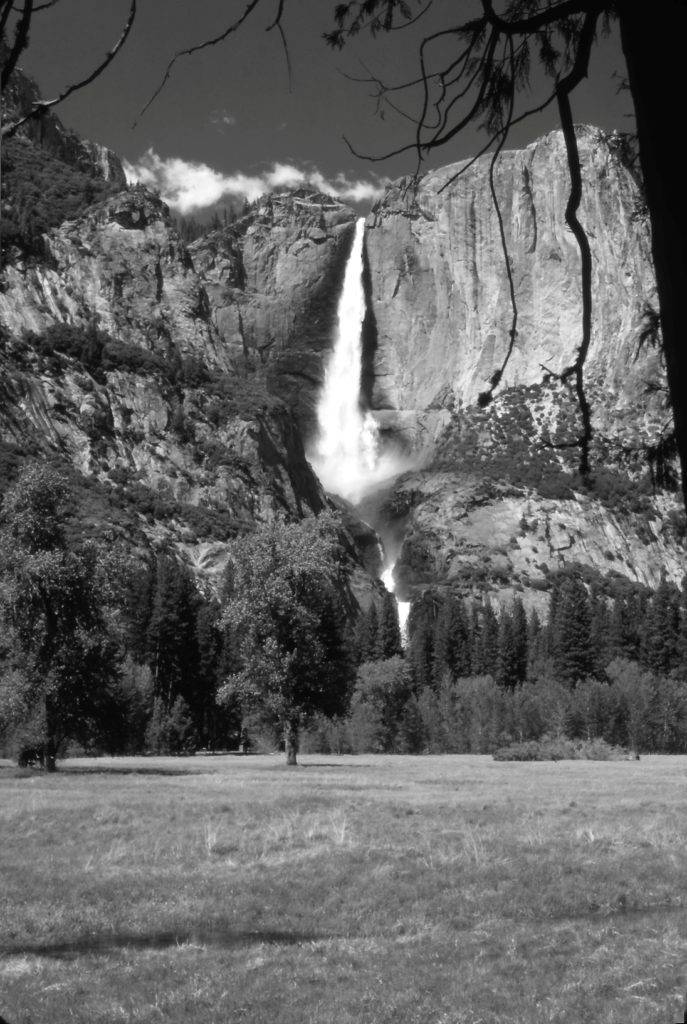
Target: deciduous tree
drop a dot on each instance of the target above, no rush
(283, 581)
(61, 656)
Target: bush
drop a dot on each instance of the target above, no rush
(40, 192)
(171, 731)
(562, 749)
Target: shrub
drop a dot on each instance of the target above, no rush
(171, 731)
(40, 192)
(562, 749)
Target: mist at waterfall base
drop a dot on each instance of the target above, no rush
(347, 455)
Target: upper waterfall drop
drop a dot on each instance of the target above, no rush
(345, 455)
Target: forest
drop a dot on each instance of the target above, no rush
(103, 652)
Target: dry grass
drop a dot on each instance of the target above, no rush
(436, 890)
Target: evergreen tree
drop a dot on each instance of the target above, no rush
(388, 643)
(506, 653)
(661, 629)
(366, 634)
(137, 609)
(206, 714)
(171, 635)
(682, 631)
(410, 737)
(421, 625)
(452, 642)
(486, 642)
(571, 630)
(512, 646)
(536, 646)
(520, 640)
(599, 631)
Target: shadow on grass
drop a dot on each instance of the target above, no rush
(12, 772)
(130, 770)
(212, 935)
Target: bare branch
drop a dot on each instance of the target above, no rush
(563, 90)
(486, 396)
(41, 106)
(5, 12)
(285, 46)
(206, 44)
(21, 39)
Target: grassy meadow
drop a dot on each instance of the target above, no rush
(369, 889)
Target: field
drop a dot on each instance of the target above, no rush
(429, 890)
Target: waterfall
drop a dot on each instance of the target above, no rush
(403, 607)
(346, 453)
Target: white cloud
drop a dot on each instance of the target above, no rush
(191, 186)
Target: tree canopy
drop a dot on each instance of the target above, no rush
(61, 658)
(281, 608)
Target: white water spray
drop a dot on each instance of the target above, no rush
(346, 454)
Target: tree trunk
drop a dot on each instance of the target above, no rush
(291, 741)
(50, 744)
(653, 40)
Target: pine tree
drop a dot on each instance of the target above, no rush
(536, 643)
(520, 640)
(138, 607)
(171, 636)
(421, 625)
(452, 642)
(572, 632)
(662, 624)
(485, 659)
(388, 642)
(366, 634)
(599, 631)
(209, 647)
(506, 656)
(682, 631)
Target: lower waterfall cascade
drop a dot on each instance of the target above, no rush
(346, 454)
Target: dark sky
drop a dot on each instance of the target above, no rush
(230, 108)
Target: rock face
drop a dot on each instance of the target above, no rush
(50, 134)
(188, 406)
(272, 286)
(439, 291)
(258, 297)
(497, 506)
(182, 381)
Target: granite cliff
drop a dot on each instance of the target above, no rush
(181, 381)
(497, 505)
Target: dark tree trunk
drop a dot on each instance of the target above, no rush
(50, 745)
(291, 742)
(653, 39)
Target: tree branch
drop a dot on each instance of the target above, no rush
(40, 107)
(563, 90)
(536, 22)
(206, 44)
(21, 39)
(486, 396)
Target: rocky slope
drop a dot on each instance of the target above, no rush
(172, 404)
(178, 379)
(440, 305)
(181, 381)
